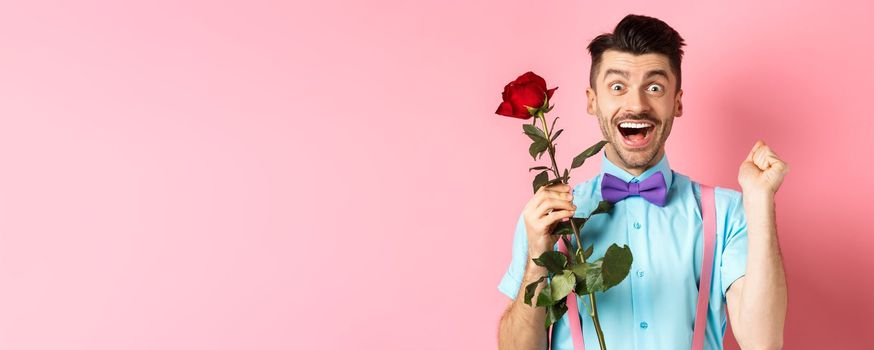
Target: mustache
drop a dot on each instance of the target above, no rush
(638, 117)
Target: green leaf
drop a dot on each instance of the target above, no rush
(555, 312)
(580, 287)
(588, 252)
(553, 261)
(594, 280)
(544, 298)
(533, 132)
(566, 175)
(581, 272)
(555, 136)
(569, 245)
(537, 148)
(562, 228)
(579, 222)
(554, 181)
(617, 263)
(539, 168)
(530, 288)
(541, 179)
(578, 160)
(603, 207)
(562, 284)
(578, 259)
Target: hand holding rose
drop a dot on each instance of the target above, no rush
(548, 206)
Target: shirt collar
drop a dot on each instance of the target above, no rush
(607, 166)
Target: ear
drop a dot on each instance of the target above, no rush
(678, 104)
(592, 104)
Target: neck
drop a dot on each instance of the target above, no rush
(636, 171)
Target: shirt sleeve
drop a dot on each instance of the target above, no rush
(734, 252)
(512, 280)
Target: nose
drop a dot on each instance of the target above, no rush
(636, 103)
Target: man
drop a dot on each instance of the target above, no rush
(635, 94)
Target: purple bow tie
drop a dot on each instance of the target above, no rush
(653, 189)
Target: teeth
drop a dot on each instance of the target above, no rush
(634, 125)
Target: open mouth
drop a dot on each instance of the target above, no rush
(636, 134)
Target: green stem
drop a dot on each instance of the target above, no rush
(594, 315)
(579, 252)
(551, 149)
(549, 146)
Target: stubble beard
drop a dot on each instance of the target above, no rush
(635, 159)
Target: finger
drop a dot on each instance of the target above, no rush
(546, 192)
(556, 215)
(749, 157)
(770, 157)
(541, 189)
(780, 167)
(559, 195)
(539, 195)
(762, 157)
(758, 144)
(553, 205)
(776, 162)
(559, 187)
(549, 199)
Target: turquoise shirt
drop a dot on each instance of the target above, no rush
(654, 306)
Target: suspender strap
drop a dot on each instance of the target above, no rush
(708, 214)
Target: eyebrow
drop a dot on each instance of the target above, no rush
(648, 75)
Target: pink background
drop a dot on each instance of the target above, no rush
(330, 175)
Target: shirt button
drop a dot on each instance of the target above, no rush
(643, 325)
(637, 225)
(639, 273)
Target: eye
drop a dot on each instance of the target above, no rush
(654, 88)
(616, 86)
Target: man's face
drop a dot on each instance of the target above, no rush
(635, 100)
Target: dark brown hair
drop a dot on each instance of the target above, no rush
(638, 35)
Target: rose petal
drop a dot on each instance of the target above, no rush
(529, 95)
(505, 95)
(550, 91)
(530, 77)
(521, 114)
(505, 109)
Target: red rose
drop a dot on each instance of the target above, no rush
(527, 90)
